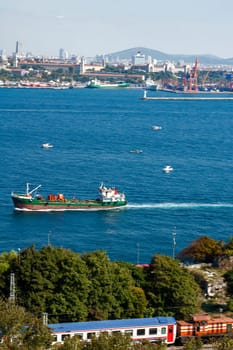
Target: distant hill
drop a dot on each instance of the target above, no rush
(161, 56)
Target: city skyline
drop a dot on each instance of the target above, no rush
(103, 27)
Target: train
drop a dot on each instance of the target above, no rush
(153, 329)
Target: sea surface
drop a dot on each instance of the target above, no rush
(93, 132)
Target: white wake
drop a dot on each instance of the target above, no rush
(178, 205)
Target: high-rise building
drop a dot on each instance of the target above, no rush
(19, 48)
(3, 55)
(63, 55)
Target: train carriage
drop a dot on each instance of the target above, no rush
(151, 329)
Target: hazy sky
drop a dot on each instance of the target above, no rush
(91, 27)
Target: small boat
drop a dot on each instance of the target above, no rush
(151, 85)
(156, 127)
(108, 198)
(95, 83)
(136, 151)
(167, 169)
(46, 145)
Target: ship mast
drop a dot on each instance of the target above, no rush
(34, 189)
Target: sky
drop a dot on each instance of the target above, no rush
(91, 27)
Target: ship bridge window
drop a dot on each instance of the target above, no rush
(153, 331)
(141, 331)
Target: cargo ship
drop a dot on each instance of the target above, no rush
(31, 200)
(96, 84)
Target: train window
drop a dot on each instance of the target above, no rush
(129, 331)
(55, 338)
(163, 330)
(116, 332)
(64, 336)
(141, 331)
(153, 331)
(90, 335)
(79, 335)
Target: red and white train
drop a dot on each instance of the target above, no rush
(153, 329)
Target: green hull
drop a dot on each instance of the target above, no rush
(107, 86)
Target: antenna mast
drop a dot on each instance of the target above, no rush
(12, 288)
(174, 243)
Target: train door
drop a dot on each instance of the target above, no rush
(170, 333)
(229, 328)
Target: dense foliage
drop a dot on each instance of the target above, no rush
(203, 249)
(73, 287)
(20, 330)
(171, 289)
(106, 341)
(70, 287)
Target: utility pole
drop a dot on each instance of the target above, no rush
(12, 288)
(174, 243)
(49, 238)
(138, 253)
(45, 318)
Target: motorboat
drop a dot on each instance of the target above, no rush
(136, 151)
(156, 127)
(167, 169)
(46, 145)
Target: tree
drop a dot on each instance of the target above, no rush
(203, 249)
(193, 344)
(105, 341)
(73, 343)
(53, 280)
(19, 329)
(223, 344)
(229, 278)
(228, 247)
(113, 293)
(171, 290)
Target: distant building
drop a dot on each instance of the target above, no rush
(19, 49)
(82, 65)
(147, 68)
(15, 60)
(170, 67)
(100, 59)
(3, 59)
(3, 54)
(138, 59)
(63, 55)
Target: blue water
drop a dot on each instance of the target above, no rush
(93, 132)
